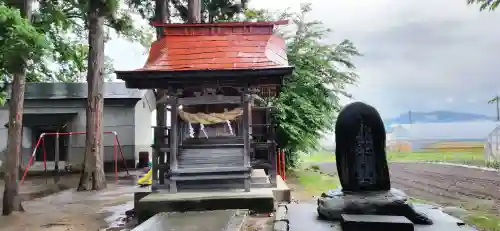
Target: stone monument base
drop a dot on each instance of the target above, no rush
(334, 203)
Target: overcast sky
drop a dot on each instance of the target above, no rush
(419, 55)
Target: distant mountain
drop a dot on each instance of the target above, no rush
(436, 117)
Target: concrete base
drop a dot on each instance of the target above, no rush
(303, 217)
(282, 192)
(258, 199)
(221, 220)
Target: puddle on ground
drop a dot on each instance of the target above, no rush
(116, 217)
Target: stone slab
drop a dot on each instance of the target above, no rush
(350, 222)
(282, 192)
(281, 222)
(303, 216)
(259, 176)
(259, 200)
(221, 220)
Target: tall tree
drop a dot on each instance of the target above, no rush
(21, 45)
(93, 177)
(485, 4)
(496, 101)
(162, 16)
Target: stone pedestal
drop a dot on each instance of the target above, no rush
(334, 203)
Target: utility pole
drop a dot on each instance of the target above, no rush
(409, 117)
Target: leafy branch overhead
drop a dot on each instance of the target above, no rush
(19, 41)
(309, 101)
(63, 24)
(485, 4)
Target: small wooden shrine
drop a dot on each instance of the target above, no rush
(218, 79)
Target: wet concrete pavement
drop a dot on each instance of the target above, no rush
(71, 210)
(303, 216)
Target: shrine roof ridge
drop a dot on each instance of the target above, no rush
(221, 24)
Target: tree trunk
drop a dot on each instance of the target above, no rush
(11, 199)
(93, 177)
(162, 16)
(194, 11)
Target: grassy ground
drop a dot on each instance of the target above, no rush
(309, 182)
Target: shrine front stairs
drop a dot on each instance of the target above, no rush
(211, 163)
(261, 198)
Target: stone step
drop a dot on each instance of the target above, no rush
(209, 177)
(258, 200)
(211, 169)
(214, 140)
(209, 146)
(211, 151)
(189, 165)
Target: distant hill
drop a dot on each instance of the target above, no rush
(436, 117)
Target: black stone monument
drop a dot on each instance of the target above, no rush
(363, 170)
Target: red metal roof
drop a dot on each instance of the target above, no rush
(221, 46)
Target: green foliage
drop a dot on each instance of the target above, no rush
(485, 4)
(60, 26)
(21, 44)
(309, 100)
(64, 24)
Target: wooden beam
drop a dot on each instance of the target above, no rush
(209, 99)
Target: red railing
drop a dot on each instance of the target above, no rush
(41, 140)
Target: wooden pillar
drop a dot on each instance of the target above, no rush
(174, 140)
(161, 124)
(272, 149)
(246, 129)
(245, 102)
(156, 153)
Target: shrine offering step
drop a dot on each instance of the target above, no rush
(222, 220)
(259, 200)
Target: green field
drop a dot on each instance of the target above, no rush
(471, 158)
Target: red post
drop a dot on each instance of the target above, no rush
(41, 141)
(121, 153)
(283, 164)
(31, 160)
(116, 159)
(44, 153)
(278, 163)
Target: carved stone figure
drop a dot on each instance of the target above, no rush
(360, 149)
(363, 170)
